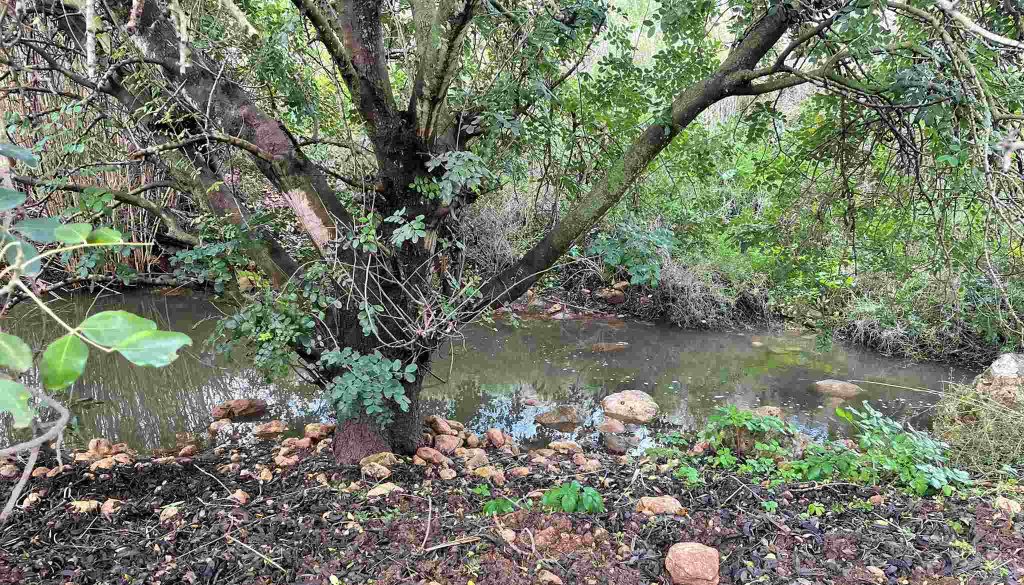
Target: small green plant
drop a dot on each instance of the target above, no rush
(815, 509)
(724, 458)
(482, 490)
(499, 506)
(689, 474)
(770, 506)
(572, 497)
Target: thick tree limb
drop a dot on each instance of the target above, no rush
(133, 198)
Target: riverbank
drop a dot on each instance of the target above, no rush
(267, 512)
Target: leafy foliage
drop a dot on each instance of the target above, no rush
(636, 251)
(368, 384)
(572, 498)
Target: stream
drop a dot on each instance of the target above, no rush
(494, 376)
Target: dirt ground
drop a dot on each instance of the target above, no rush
(312, 522)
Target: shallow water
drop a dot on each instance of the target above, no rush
(490, 376)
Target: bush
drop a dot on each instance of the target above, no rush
(985, 436)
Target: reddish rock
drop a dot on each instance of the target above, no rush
(318, 431)
(218, 426)
(769, 411)
(630, 406)
(838, 388)
(621, 285)
(244, 407)
(692, 563)
(876, 500)
(519, 471)
(565, 447)
(431, 455)
(439, 425)
(188, 451)
(472, 440)
(101, 447)
(611, 296)
(495, 437)
(270, 429)
(653, 506)
(298, 444)
(610, 425)
(447, 444)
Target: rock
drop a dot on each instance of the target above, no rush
(498, 478)
(692, 563)
(563, 418)
(105, 463)
(265, 475)
(431, 455)
(385, 458)
(456, 425)
(40, 471)
(9, 471)
(286, 461)
(838, 388)
(270, 429)
(188, 451)
(447, 473)
(485, 472)
(375, 471)
(630, 406)
(241, 408)
(447, 443)
(609, 347)
(519, 472)
(168, 513)
(611, 296)
(579, 459)
(472, 440)
(219, 426)
(545, 452)
(590, 466)
(85, 506)
(31, 500)
(55, 471)
(546, 577)
(110, 507)
(565, 447)
(621, 285)
(298, 444)
(318, 431)
(618, 444)
(495, 437)
(877, 574)
(507, 534)
(610, 425)
(652, 506)
(876, 500)
(439, 425)
(239, 497)
(1007, 506)
(1004, 379)
(383, 490)
(418, 461)
(769, 411)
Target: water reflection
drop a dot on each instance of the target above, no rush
(496, 377)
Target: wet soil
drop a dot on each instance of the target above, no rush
(312, 523)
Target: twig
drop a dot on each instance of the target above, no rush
(430, 512)
(456, 542)
(269, 560)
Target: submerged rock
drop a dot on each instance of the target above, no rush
(838, 388)
(608, 347)
(630, 406)
(563, 418)
(240, 408)
(692, 563)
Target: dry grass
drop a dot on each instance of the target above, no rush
(984, 434)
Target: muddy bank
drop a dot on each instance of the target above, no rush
(258, 512)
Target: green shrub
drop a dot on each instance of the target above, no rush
(634, 249)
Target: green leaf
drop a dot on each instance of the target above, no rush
(63, 362)
(40, 230)
(9, 198)
(14, 399)
(105, 236)
(153, 348)
(15, 354)
(110, 328)
(19, 153)
(569, 501)
(28, 252)
(73, 233)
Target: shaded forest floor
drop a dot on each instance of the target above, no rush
(312, 522)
